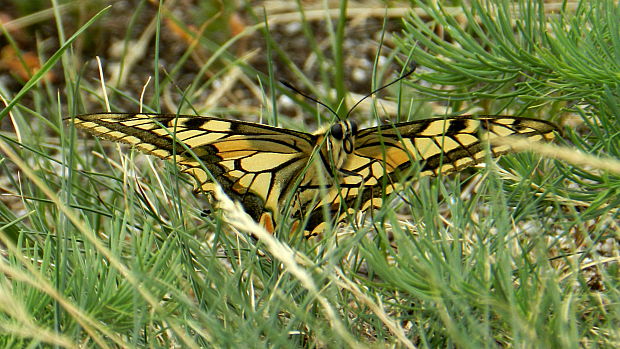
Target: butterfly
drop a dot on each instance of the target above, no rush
(318, 178)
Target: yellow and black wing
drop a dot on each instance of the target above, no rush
(257, 165)
(387, 155)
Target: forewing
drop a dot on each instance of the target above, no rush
(255, 164)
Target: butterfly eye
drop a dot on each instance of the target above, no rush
(337, 132)
(353, 126)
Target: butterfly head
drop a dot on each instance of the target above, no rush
(341, 141)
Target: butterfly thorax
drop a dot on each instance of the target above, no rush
(333, 145)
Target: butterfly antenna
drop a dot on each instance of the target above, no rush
(413, 68)
(294, 89)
